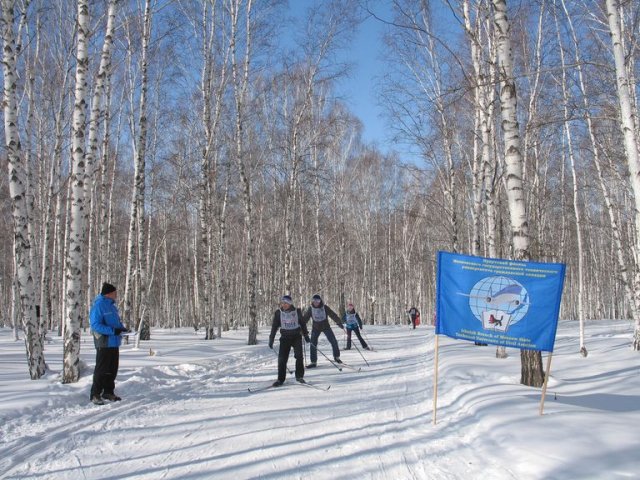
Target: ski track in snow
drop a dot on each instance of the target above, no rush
(195, 419)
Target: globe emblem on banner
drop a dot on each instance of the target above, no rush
(498, 302)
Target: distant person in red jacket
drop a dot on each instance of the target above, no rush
(414, 315)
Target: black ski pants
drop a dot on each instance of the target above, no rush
(286, 343)
(313, 354)
(357, 332)
(104, 375)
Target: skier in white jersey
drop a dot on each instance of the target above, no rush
(292, 329)
(353, 322)
(320, 314)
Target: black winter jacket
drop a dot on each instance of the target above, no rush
(320, 325)
(277, 324)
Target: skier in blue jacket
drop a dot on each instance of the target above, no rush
(353, 323)
(106, 328)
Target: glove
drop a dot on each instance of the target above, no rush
(271, 344)
(117, 331)
(307, 339)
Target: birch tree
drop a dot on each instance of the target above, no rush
(17, 191)
(215, 53)
(139, 179)
(75, 257)
(484, 171)
(135, 244)
(576, 202)
(240, 69)
(628, 125)
(532, 373)
(623, 265)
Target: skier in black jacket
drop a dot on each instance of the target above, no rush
(320, 313)
(292, 329)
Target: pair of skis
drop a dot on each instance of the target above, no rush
(342, 365)
(303, 382)
(338, 365)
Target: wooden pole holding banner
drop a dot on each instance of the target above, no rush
(435, 379)
(546, 379)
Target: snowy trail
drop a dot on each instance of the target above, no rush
(187, 413)
(292, 431)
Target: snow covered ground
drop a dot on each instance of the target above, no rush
(187, 414)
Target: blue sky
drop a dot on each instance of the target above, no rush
(359, 89)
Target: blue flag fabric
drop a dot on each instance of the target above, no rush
(499, 302)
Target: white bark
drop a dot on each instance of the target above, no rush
(576, 202)
(139, 179)
(97, 109)
(221, 312)
(532, 373)
(15, 307)
(240, 74)
(75, 252)
(212, 90)
(17, 192)
(511, 132)
(628, 126)
(623, 267)
(50, 220)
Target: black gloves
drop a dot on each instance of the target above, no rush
(307, 339)
(118, 331)
(271, 344)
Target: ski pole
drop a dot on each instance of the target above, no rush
(366, 337)
(325, 356)
(304, 350)
(365, 360)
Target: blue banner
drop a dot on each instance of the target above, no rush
(499, 302)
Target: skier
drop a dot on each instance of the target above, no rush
(320, 313)
(414, 314)
(289, 320)
(353, 323)
(106, 328)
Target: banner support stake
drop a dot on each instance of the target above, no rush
(546, 379)
(435, 378)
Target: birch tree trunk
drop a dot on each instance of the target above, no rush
(15, 306)
(628, 125)
(576, 202)
(205, 168)
(51, 220)
(221, 294)
(17, 192)
(97, 109)
(75, 251)
(213, 101)
(139, 179)
(485, 176)
(616, 234)
(532, 373)
(240, 75)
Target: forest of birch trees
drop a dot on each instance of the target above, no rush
(199, 155)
